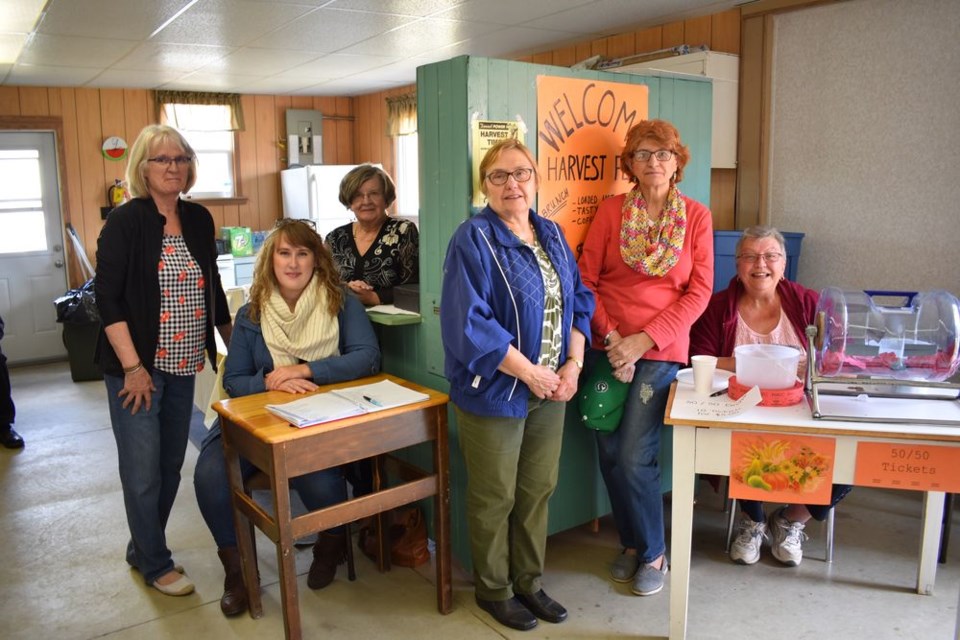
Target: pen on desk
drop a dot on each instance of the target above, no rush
(718, 393)
(372, 401)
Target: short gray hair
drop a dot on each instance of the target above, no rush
(758, 232)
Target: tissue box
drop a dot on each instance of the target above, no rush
(407, 297)
(241, 241)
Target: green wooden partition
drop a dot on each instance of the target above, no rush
(449, 95)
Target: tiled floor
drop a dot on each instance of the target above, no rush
(62, 573)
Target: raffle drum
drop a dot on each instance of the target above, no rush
(864, 346)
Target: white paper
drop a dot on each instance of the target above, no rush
(721, 407)
(344, 403)
(392, 310)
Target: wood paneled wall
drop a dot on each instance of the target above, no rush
(354, 129)
(90, 115)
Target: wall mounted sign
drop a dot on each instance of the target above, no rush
(919, 467)
(581, 129)
(114, 148)
(485, 134)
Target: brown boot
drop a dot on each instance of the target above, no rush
(329, 551)
(234, 598)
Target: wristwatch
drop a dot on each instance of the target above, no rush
(577, 362)
(606, 339)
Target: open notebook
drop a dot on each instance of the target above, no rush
(343, 403)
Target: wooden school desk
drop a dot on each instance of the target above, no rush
(281, 451)
(702, 445)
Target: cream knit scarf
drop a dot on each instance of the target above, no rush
(305, 334)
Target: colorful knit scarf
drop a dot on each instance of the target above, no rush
(652, 249)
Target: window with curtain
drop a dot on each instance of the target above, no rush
(402, 125)
(209, 122)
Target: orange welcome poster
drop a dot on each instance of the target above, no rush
(778, 467)
(581, 130)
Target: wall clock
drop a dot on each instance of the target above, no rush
(114, 148)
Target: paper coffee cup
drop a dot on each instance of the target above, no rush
(703, 368)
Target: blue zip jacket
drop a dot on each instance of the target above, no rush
(249, 360)
(493, 297)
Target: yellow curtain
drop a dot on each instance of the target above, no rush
(402, 114)
(174, 108)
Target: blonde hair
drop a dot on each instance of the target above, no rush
(151, 136)
(493, 154)
(326, 276)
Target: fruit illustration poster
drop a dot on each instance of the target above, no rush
(581, 129)
(777, 467)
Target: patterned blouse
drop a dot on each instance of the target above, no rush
(552, 338)
(183, 311)
(391, 260)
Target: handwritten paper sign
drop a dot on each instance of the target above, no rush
(716, 408)
(918, 467)
(582, 126)
(777, 467)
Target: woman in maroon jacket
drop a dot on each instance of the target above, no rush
(761, 307)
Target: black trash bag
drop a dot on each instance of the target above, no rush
(78, 306)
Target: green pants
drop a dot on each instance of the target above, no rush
(512, 467)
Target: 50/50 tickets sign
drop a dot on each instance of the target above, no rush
(582, 125)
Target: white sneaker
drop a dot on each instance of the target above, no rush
(786, 542)
(746, 546)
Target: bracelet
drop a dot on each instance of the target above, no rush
(577, 362)
(606, 339)
(134, 368)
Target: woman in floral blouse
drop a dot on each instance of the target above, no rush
(375, 253)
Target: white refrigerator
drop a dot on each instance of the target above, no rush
(313, 191)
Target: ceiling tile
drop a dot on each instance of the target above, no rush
(95, 18)
(10, 46)
(29, 74)
(71, 51)
(260, 62)
(419, 8)
(498, 44)
(422, 36)
(509, 12)
(336, 65)
(329, 30)
(135, 79)
(177, 57)
(230, 23)
(206, 81)
(276, 85)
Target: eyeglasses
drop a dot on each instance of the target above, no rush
(769, 258)
(500, 177)
(167, 160)
(661, 155)
(373, 195)
(283, 222)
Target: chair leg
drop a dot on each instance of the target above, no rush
(730, 520)
(945, 529)
(830, 535)
(351, 568)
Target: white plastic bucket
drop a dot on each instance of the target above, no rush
(768, 366)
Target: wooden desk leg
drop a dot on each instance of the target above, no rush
(244, 530)
(681, 539)
(442, 512)
(286, 559)
(930, 541)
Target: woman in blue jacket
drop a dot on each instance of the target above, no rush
(514, 318)
(300, 330)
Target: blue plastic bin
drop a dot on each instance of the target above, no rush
(725, 256)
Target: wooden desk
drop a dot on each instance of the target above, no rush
(282, 451)
(703, 446)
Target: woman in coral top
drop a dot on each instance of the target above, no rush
(648, 257)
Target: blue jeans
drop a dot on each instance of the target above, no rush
(150, 447)
(628, 458)
(317, 490)
(819, 512)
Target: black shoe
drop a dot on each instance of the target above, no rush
(509, 613)
(11, 439)
(543, 606)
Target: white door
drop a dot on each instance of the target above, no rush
(32, 272)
